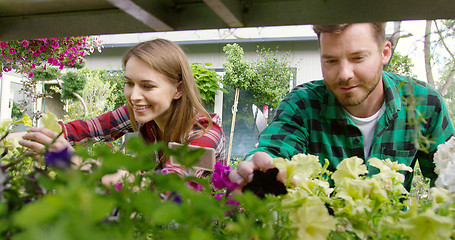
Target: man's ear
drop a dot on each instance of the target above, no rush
(178, 93)
(386, 52)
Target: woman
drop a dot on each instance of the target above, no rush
(163, 105)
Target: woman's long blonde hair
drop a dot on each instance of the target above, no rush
(168, 58)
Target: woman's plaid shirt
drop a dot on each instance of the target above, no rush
(114, 124)
(310, 120)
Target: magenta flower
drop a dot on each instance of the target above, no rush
(194, 185)
(24, 43)
(3, 45)
(12, 51)
(30, 75)
(54, 44)
(220, 177)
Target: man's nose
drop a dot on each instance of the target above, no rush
(346, 70)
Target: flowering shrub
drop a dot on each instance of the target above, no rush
(54, 201)
(25, 55)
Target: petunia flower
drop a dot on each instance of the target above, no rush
(349, 168)
(312, 220)
(60, 159)
(220, 177)
(265, 183)
(3, 44)
(12, 51)
(24, 43)
(428, 225)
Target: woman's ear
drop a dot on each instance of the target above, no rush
(178, 93)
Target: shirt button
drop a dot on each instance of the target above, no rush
(356, 141)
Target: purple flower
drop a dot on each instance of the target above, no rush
(3, 45)
(24, 43)
(60, 159)
(220, 177)
(12, 51)
(219, 196)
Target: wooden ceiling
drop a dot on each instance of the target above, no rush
(26, 19)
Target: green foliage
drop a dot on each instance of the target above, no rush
(400, 64)
(239, 73)
(46, 73)
(207, 81)
(100, 94)
(72, 82)
(44, 202)
(273, 76)
(16, 112)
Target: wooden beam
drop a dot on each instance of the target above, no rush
(231, 13)
(141, 14)
(69, 24)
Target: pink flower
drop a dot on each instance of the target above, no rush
(12, 51)
(30, 75)
(1, 74)
(62, 65)
(3, 45)
(54, 44)
(24, 43)
(220, 178)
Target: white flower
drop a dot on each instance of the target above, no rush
(445, 155)
(446, 178)
(444, 159)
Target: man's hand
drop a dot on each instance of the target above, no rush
(244, 172)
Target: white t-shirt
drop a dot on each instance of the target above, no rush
(366, 126)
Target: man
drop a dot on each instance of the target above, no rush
(357, 110)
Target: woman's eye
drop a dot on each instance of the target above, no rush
(129, 84)
(149, 86)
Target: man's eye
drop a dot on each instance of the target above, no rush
(149, 86)
(359, 58)
(129, 84)
(330, 61)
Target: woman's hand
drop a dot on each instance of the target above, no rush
(38, 138)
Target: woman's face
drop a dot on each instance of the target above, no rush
(149, 92)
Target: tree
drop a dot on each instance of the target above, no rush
(439, 53)
(273, 76)
(238, 74)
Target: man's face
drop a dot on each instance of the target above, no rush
(352, 65)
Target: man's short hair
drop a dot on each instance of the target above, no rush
(378, 30)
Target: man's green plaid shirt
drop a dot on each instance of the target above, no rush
(310, 120)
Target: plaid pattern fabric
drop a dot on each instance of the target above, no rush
(310, 120)
(114, 124)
